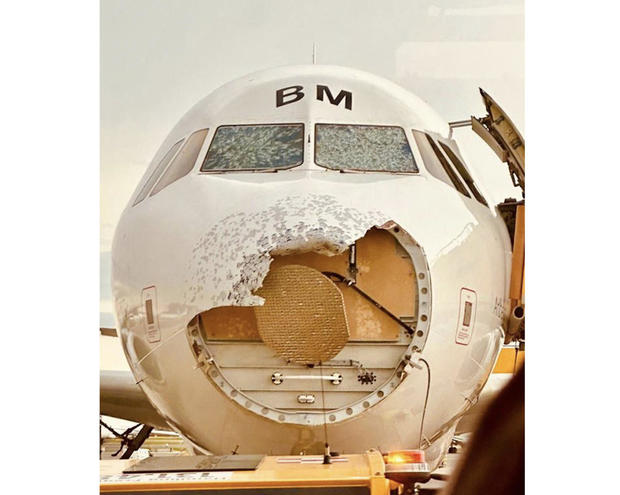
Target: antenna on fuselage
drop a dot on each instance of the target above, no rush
(313, 53)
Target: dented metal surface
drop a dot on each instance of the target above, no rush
(231, 260)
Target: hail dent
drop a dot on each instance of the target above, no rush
(231, 260)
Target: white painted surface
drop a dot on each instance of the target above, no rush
(160, 243)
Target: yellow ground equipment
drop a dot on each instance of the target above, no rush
(365, 473)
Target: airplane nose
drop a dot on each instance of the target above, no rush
(315, 291)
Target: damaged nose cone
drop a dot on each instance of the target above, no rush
(305, 293)
(303, 318)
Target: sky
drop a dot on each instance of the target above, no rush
(159, 57)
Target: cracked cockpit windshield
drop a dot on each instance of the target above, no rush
(255, 147)
(363, 148)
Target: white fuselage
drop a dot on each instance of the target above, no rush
(190, 248)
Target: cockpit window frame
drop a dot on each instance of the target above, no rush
(159, 170)
(446, 165)
(254, 170)
(463, 172)
(160, 185)
(358, 170)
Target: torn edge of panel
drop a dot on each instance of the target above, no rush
(231, 260)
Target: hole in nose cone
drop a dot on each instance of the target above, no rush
(351, 308)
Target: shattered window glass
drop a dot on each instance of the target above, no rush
(255, 147)
(363, 147)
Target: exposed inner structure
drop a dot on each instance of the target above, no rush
(335, 333)
(303, 319)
